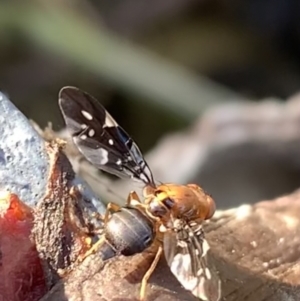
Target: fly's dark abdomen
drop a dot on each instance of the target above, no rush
(129, 231)
(107, 251)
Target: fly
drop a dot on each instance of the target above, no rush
(176, 212)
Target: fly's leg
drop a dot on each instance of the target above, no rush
(134, 201)
(149, 273)
(111, 207)
(92, 250)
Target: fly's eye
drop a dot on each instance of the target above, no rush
(164, 198)
(157, 210)
(168, 202)
(161, 195)
(157, 193)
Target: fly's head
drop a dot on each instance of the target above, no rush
(159, 205)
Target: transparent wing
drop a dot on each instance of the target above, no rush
(186, 253)
(99, 138)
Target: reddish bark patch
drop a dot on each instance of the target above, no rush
(21, 273)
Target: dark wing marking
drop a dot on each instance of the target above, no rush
(186, 253)
(99, 138)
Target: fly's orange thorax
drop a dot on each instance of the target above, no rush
(188, 202)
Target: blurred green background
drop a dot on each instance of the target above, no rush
(154, 64)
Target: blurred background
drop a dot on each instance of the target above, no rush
(159, 67)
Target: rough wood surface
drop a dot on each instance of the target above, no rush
(61, 224)
(256, 250)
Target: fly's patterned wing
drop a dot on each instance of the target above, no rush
(186, 253)
(99, 138)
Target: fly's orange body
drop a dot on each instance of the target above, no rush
(171, 201)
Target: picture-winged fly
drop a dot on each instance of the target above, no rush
(174, 212)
